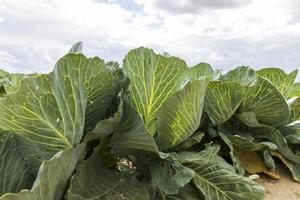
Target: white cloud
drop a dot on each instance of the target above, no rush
(224, 33)
(191, 6)
(6, 60)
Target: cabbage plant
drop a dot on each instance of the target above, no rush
(152, 129)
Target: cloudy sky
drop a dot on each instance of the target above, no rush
(224, 33)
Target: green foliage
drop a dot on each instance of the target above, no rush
(153, 129)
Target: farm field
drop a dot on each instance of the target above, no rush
(150, 128)
(275, 188)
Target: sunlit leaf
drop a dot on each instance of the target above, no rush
(153, 78)
(180, 116)
(222, 100)
(282, 81)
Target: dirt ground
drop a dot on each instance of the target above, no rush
(283, 189)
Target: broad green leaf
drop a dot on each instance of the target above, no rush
(267, 103)
(202, 70)
(243, 75)
(191, 141)
(76, 48)
(19, 161)
(130, 135)
(243, 139)
(250, 145)
(282, 81)
(49, 109)
(208, 153)
(180, 116)
(106, 127)
(153, 78)
(222, 100)
(101, 84)
(295, 90)
(169, 175)
(52, 177)
(188, 192)
(294, 104)
(219, 183)
(92, 181)
(236, 163)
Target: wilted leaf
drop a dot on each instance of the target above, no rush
(294, 168)
(253, 163)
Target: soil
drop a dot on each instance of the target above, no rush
(283, 189)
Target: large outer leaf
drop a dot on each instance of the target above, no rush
(267, 103)
(101, 81)
(180, 116)
(153, 78)
(188, 192)
(208, 153)
(102, 86)
(19, 161)
(169, 175)
(52, 177)
(219, 183)
(222, 100)
(50, 109)
(282, 81)
(242, 75)
(130, 135)
(93, 181)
